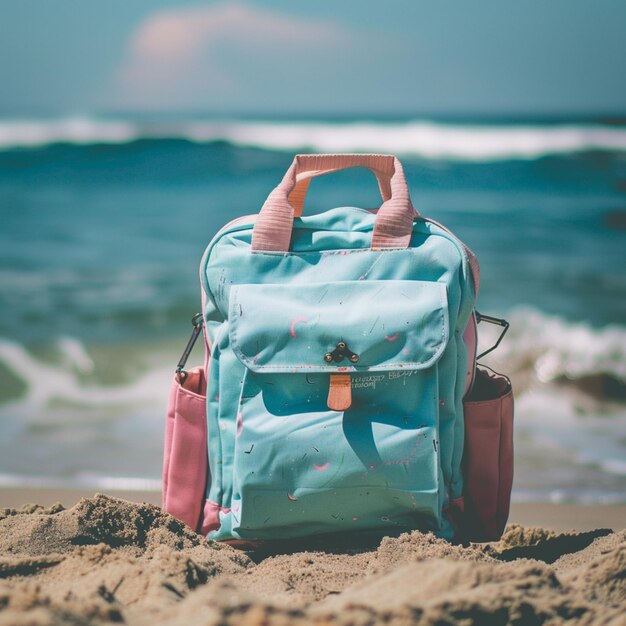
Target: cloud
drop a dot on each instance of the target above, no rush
(212, 54)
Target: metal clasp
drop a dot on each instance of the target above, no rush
(197, 322)
(340, 352)
(492, 320)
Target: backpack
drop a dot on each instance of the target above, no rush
(340, 391)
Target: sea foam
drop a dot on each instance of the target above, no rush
(418, 138)
(50, 385)
(554, 349)
(562, 425)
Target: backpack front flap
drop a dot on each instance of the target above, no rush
(295, 465)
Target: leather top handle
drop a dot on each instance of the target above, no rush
(394, 221)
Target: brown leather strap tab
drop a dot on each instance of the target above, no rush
(340, 392)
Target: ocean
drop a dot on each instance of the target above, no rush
(104, 220)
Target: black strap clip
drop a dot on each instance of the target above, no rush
(197, 322)
(492, 320)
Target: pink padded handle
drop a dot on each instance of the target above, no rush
(394, 220)
(303, 178)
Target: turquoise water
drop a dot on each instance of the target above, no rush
(104, 223)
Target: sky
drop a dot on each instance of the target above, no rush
(287, 57)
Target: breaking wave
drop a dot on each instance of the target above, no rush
(540, 351)
(570, 393)
(549, 349)
(66, 382)
(423, 139)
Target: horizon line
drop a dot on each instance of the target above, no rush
(607, 117)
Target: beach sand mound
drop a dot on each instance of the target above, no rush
(108, 561)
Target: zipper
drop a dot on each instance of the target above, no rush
(242, 218)
(471, 257)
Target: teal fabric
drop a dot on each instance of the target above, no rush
(282, 463)
(276, 328)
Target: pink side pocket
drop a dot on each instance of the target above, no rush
(185, 455)
(488, 456)
(167, 448)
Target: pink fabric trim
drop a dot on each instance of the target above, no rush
(211, 516)
(211, 521)
(208, 349)
(506, 464)
(298, 194)
(458, 504)
(167, 448)
(471, 340)
(454, 512)
(488, 456)
(394, 220)
(471, 257)
(186, 468)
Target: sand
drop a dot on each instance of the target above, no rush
(106, 560)
(562, 516)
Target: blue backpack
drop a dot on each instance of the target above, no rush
(340, 390)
